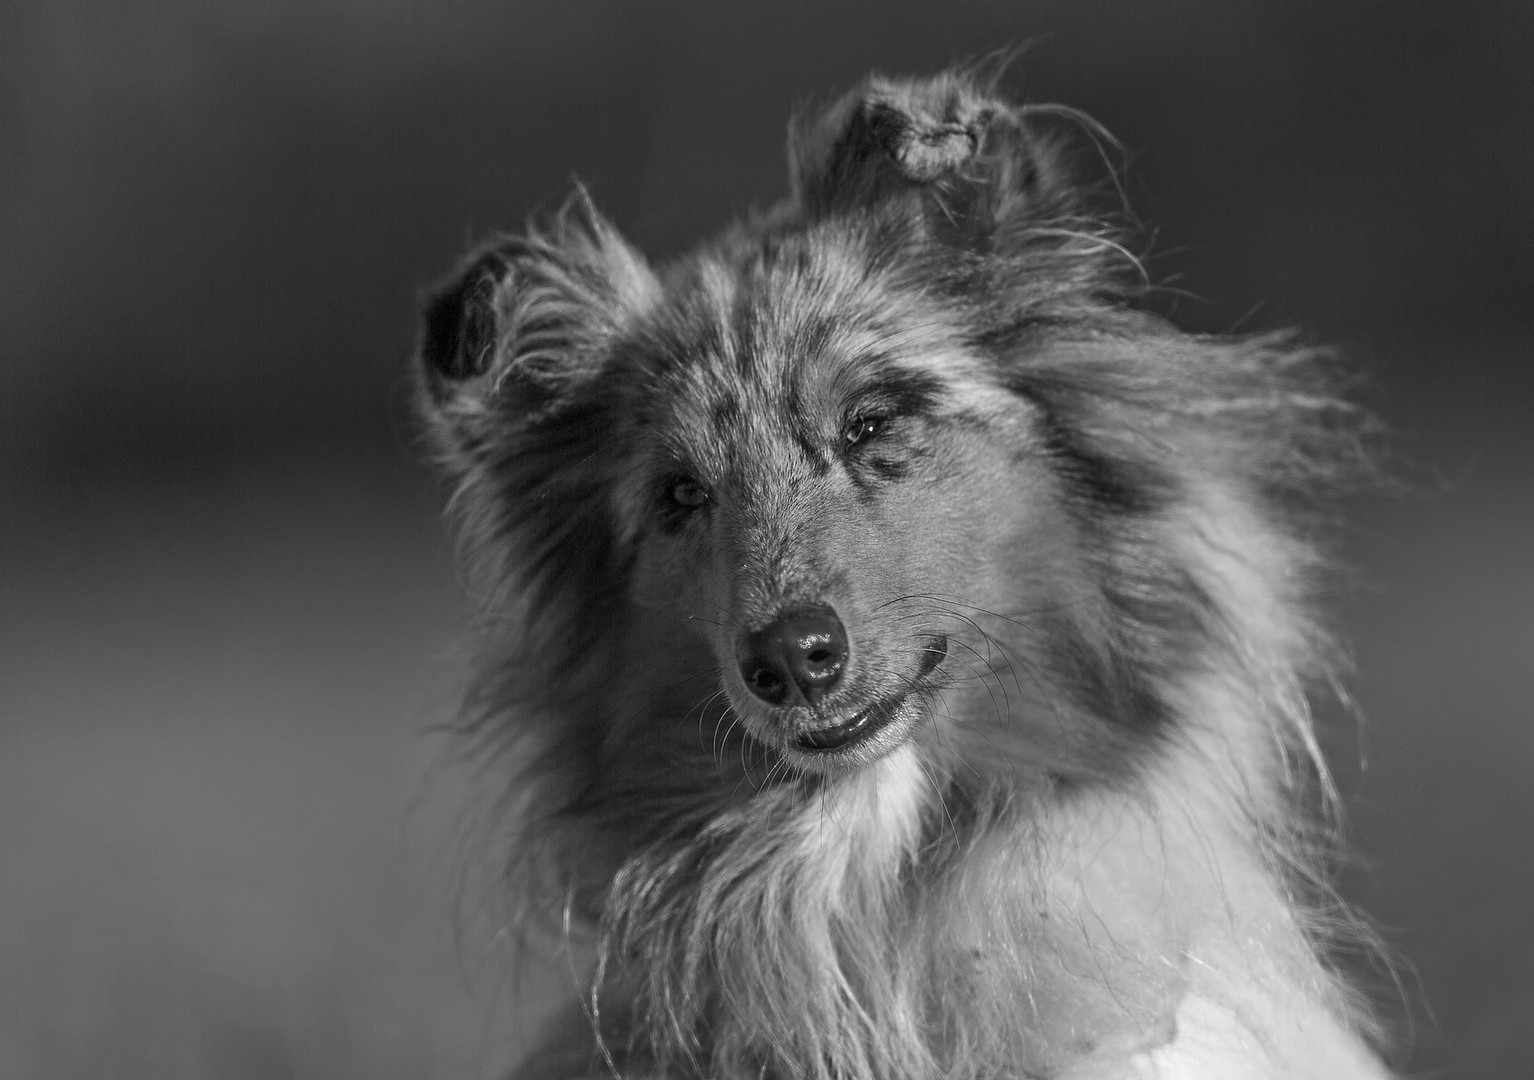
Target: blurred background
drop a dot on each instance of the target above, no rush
(227, 617)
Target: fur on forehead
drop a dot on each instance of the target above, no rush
(807, 324)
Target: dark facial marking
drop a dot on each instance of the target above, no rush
(1117, 484)
(898, 392)
(726, 413)
(888, 469)
(820, 462)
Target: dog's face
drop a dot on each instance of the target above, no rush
(815, 456)
(803, 472)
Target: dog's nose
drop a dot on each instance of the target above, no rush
(797, 659)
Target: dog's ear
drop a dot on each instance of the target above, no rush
(521, 323)
(964, 163)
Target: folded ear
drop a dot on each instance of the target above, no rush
(963, 162)
(519, 325)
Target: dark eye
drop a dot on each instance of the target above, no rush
(861, 429)
(687, 492)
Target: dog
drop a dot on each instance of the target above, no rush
(897, 642)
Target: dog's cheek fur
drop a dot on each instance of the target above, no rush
(1033, 685)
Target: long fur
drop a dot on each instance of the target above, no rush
(1085, 844)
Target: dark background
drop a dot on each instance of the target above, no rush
(226, 614)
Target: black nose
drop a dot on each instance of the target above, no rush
(797, 659)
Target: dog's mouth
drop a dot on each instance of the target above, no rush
(862, 724)
(867, 722)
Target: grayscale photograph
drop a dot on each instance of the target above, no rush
(782, 541)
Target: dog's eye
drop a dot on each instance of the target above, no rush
(861, 429)
(687, 493)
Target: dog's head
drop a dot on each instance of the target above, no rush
(890, 492)
(890, 454)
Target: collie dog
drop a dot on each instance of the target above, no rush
(897, 643)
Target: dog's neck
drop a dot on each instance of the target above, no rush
(890, 924)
